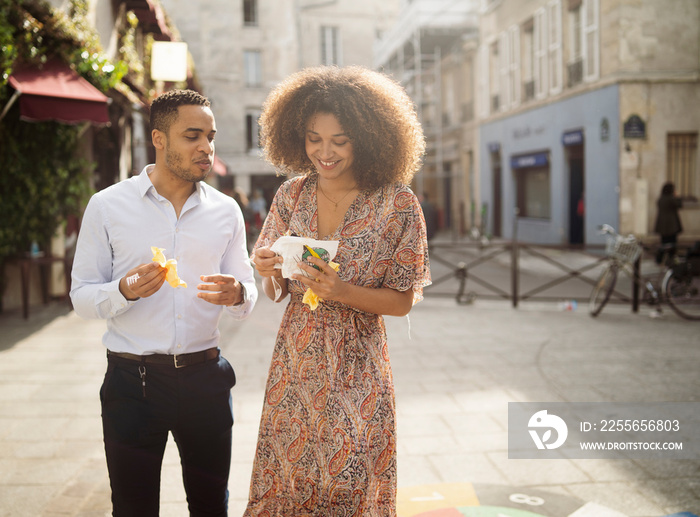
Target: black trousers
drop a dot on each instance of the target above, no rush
(668, 246)
(194, 404)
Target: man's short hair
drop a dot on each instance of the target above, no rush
(164, 107)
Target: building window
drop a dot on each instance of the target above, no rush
(253, 68)
(250, 12)
(540, 53)
(504, 70)
(528, 60)
(590, 39)
(449, 109)
(682, 164)
(483, 79)
(514, 65)
(464, 86)
(494, 78)
(574, 67)
(554, 63)
(330, 46)
(532, 184)
(583, 60)
(252, 130)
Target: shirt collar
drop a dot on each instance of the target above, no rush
(145, 184)
(144, 180)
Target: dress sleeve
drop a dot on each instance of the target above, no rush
(410, 268)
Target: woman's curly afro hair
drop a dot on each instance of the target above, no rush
(374, 111)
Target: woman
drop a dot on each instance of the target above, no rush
(668, 222)
(327, 440)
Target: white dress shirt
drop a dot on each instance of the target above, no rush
(119, 226)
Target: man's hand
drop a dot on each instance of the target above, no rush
(220, 290)
(142, 281)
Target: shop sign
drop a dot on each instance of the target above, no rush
(572, 137)
(529, 160)
(634, 127)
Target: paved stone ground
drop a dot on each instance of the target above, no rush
(455, 367)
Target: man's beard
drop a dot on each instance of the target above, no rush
(174, 162)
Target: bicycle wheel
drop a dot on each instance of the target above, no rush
(602, 290)
(683, 294)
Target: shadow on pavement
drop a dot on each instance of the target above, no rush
(14, 328)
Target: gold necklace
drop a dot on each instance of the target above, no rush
(335, 203)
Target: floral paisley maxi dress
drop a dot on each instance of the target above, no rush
(327, 439)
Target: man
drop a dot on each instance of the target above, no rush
(430, 216)
(164, 369)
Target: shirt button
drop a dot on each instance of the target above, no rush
(179, 346)
(179, 316)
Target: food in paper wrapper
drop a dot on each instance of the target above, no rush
(297, 249)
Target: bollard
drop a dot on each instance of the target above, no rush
(514, 259)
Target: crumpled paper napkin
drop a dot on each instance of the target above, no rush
(171, 266)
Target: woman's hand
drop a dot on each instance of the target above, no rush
(264, 260)
(326, 283)
(274, 286)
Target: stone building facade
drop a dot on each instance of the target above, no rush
(586, 108)
(548, 118)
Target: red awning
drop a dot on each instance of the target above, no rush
(219, 166)
(56, 92)
(151, 18)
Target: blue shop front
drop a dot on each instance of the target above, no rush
(550, 175)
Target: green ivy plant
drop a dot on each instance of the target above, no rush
(43, 179)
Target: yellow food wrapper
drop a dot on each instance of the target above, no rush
(310, 298)
(171, 266)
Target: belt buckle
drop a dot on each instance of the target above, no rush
(176, 363)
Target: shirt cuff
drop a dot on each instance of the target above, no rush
(244, 292)
(241, 310)
(118, 303)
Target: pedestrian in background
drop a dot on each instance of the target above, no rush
(164, 369)
(258, 206)
(431, 216)
(327, 439)
(251, 232)
(668, 222)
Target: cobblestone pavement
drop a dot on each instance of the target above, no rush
(456, 367)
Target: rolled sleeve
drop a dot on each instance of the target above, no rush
(94, 294)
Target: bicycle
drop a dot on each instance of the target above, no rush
(679, 287)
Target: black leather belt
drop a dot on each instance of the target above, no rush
(177, 361)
